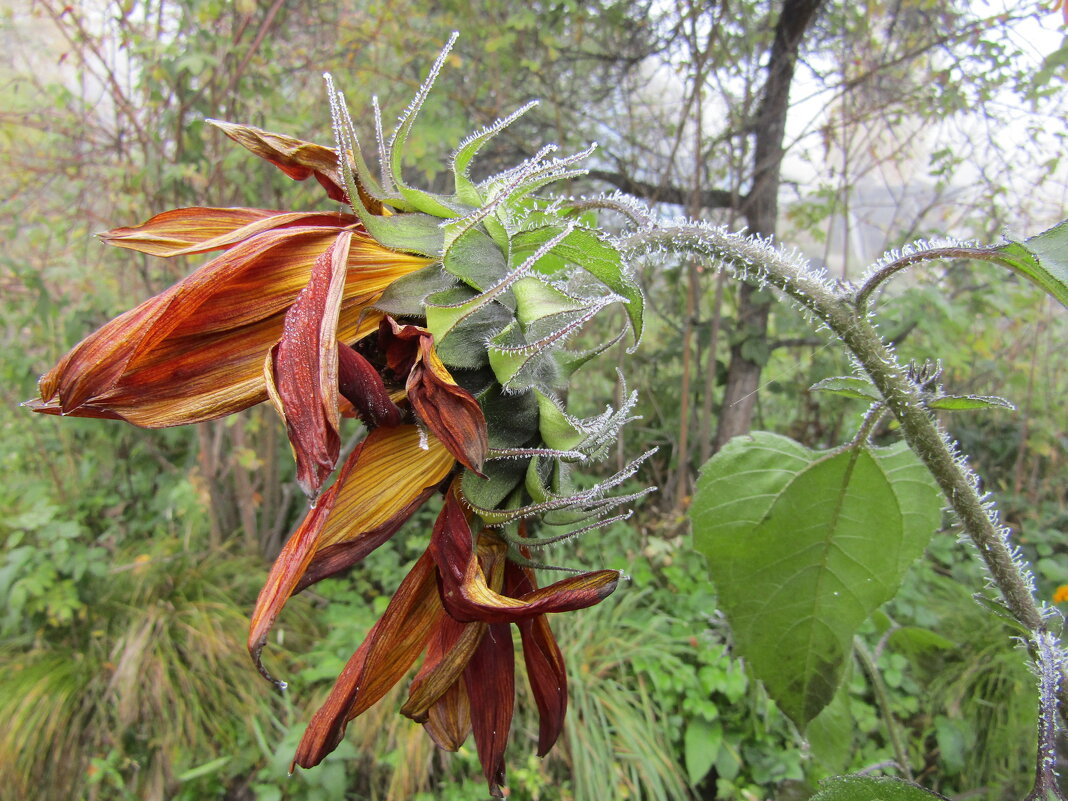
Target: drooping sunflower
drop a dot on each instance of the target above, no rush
(440, 321)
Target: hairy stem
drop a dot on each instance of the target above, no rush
(1048, 668)
(930, 254)
(757, 260)
(872, 418)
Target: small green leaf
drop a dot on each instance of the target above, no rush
(961, 403)
(871, 788)
(427, 202)
(466, 191)
(502, 477)
(411, 232)
(999, 610)
(802, 547)
(848, 387)
(1043, 260)
(535, 300)
(557, 429)
(569, 361)
(915, 640)
(462, 322)
(702, 742)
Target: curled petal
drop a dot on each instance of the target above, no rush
(296, 158)
(183, 232)
(449, 720)
(400, 343)
(449, 650)
(361, 385)
(291, 564)
(545, 663)
(468, 595)
(390, 649)
(380, 485)
(451, 545)
(196, 351)
(450, 412)
(302, 377)
(477, 601)
(490, 683)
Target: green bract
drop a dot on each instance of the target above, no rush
(516, 277)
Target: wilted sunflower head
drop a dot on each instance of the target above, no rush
(510, 279)
(442, 322)
(513, 277)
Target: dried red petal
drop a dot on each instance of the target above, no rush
(449, 650)
(196, 351)
(450, 412)
(362, 386)
(545, 664)
(390, 649)
(467, 595)
(490, 683)
(291, 564)
(296, 158)
(449, 720)
(451, 545)
(198, 229)
(303, 378)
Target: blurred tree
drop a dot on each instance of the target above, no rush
(895, 84)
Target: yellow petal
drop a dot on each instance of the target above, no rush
(378, 488)
(198, 229)
(393, 468)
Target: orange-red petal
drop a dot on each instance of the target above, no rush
(476, 600)
(378, 488)
(449, 650)
(303, 375)
(390, 649)
(466, 593)
(198, 229)
(196, 351)
(362, 386)
(490, 683)
(450, 412)
(545, 664)
(296, 158)
(449, 720)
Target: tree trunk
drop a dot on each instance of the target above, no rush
(761, 213)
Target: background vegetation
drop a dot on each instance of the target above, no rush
(131, 558)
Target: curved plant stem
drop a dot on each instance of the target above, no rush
(1049, 667)
(931, 254)
(757, 260)
(632, 211)
(872, 418)
(882, 698)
